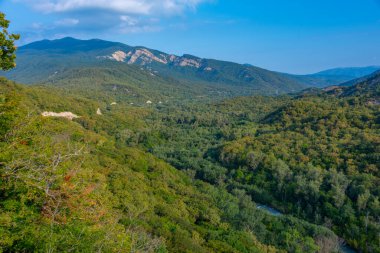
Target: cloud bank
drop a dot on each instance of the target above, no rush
(96, 17)
(137, 7)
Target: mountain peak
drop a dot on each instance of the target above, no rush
(70, 44)
(56, 56)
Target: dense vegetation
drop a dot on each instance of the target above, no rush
(7, 45)
(87, 186)
(315, 157)
(184, 172)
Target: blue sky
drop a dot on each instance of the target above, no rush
(295, 36)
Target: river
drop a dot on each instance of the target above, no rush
(343, 248)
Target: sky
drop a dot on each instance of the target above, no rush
(293, 36)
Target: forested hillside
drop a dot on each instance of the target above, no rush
(88, 185)
(313, 156)
(108, 156)
(50, 61)
(107, 147)
(99, 177)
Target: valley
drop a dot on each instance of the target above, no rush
(189, 174)
(111, 148)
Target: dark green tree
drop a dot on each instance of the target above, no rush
(7, 46)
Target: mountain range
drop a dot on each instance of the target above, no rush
(336, 76)
(46, 61)
(64, 61)
(367, 87)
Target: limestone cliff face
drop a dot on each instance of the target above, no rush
(119, 56)
(143, 56)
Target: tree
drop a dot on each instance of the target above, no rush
(281, 173)
(363, 199)
(7, 46)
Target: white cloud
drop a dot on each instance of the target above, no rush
(96, 17)
(128, 20)
(139, 29)
(130, 24)
(67, 22)
(139, 7)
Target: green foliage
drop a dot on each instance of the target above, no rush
(185, 176)
(315, 157)
(7, 47)
(76, 186)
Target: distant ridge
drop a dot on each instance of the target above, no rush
(361, 79)
(353, 72)
(366, 87)
(336, 76)
(69, 44)
(40, 61)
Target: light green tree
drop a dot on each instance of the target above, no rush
(7, 45)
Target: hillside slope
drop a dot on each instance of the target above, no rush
(367, 88)
(88, 184)
(350, 73)
(338, 76)
(314, 155)
(67, 187)
(43, 60)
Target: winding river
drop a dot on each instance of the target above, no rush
(343, 248)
